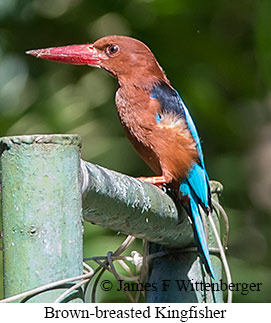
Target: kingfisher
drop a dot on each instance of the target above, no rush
(155, 120)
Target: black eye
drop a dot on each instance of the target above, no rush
(112, 49)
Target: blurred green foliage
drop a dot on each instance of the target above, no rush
(217, 54)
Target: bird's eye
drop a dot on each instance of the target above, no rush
(112, 50)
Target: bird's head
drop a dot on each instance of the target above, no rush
(124, 57)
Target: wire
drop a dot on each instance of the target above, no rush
(223, 257)
(226, 222)
(45, 287)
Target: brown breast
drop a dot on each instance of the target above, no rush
(168, 146)
(138, 123)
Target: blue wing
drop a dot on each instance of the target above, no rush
(196, 186)
(197, 178)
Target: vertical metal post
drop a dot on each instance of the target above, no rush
(41, 212)
(179, 276)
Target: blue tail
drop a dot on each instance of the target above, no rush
(192, 208)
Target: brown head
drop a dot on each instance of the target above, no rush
(126, 58)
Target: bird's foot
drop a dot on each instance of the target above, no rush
(155, 180)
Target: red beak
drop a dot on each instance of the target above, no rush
(74, 54)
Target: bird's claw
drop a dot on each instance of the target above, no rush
(155, 180)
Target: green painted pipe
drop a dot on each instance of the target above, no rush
(125, 204)
(41, 212)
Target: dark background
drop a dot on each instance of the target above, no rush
(217, 54)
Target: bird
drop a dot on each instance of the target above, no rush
(155, 120)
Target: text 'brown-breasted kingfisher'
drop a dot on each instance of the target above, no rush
(155, 120)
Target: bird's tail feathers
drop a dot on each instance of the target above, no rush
(200, 236)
